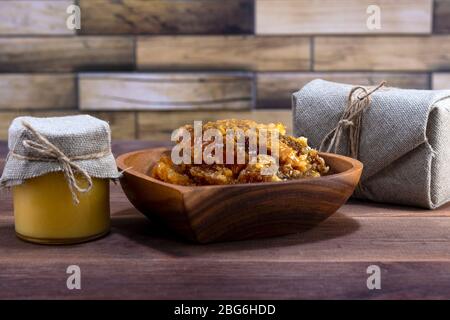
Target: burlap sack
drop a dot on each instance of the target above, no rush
(83, 139)
(404, 141)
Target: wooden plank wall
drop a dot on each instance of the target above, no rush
(150, 66)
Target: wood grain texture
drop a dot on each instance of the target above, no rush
(441, 81)
(274, 89)
(342, 17)
(167, 17)
(441, 16)
(37, 91)
(382, 53)
(65, 54)
(207, 214)
(7, 117)
(165, 91)
(229, 52)
(159, 125)
(183, 279)
(38, 17)
(410, 245)
(122, 123)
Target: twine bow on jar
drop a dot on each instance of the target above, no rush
(358, 101)
(49, 152)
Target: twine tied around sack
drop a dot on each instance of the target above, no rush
(358, 101)
(49, 152)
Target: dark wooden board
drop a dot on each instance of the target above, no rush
(141, 260)
(167, 17)
(441, 16)
(65, 54)
(275, 89)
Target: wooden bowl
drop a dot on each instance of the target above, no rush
(241, 211)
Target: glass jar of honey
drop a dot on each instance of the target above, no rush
(59, 171)
(45, 213)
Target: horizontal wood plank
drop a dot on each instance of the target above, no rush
(165, 91)
(226, 52)
(65, 54)
(342, 17)
(441, 16)
(421, 53)
(37, 91)
(37, 17)
(159, 125)
(441, 81)
(341, 238)
(167, 17)
(183, 279)
(122, 123)
(274, 89)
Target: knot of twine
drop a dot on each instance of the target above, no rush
(358, 101)
(49, 152)
(346, 123)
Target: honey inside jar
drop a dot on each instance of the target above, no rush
(45, 213)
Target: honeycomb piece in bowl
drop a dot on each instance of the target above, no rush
(296, 159)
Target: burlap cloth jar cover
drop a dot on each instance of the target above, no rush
(404, 139)
(84, 140)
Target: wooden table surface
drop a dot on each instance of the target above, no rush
(140, 260)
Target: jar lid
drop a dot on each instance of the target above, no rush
(73, 143)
